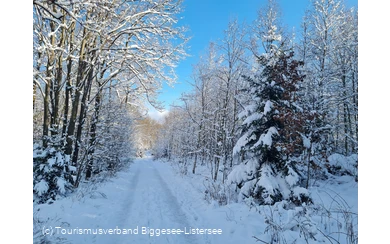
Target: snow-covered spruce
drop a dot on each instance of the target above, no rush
(270, 133)
(52, 174)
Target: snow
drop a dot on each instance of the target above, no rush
(247, 110)
(271, 35)
(346, 163)
(251, 118)
(140, 204)
(300, 109)
(242, 172)
(268, 106)
(51, 162)
(297, 191)
(266, 139)
(266, 181)
(61, 183)
(38, 153)
(72, 168)
(306, 141)
(244, 139)
(41, 187)
(292, 178)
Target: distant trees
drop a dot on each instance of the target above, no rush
(205, 119)
(266, 112)
(329, 50)
(146, 130)
(94, 62)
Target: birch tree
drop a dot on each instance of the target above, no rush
(329, 49)
(233, 66)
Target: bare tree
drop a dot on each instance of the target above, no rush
(83, 49)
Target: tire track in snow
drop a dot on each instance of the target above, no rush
(127, 205)
(123, 212)
(175, 213)
(150, 203)
(184, 199)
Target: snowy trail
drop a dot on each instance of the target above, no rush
(152, 195)
(145, 199)
(139, 202)
(134, 207)
(151, 204)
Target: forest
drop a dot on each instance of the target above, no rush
(95, 64)
(264, 103)
(271, 111)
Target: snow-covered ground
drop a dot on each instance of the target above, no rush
(151, 202)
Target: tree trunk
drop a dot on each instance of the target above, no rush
(57, 86)
(92, 134)
(68, 85)
(38, 67)
(308, 167)
(82, 115)
(194, 167)
(82, 65)
(343, 78)
(232, 133)
(34, 94)
(46, 112)
(48, 88)
(216, 168)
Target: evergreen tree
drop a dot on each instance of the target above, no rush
(271, 131)
(52, 174)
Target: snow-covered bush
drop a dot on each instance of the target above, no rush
(314, 223)
(52, 174)
(266, 186)
(286, 224)
(339, 164)
(219, 192)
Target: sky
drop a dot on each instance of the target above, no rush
(150, 195)
(206, 21)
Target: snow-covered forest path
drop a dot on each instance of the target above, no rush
(149, 197)
(151, 204)
(136, 205)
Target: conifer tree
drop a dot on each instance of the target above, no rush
(270, 134)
